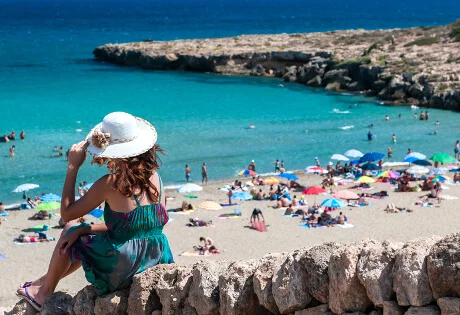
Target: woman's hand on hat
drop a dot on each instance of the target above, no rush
(77, 154)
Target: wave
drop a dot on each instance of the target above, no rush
(386, 164)
(78, 130)
(336, 111)
(347, 127)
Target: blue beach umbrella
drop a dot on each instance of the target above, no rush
(289, 176)
(410, 159)
(354, 162)
(413, 156)
(421, 162)
(371, 157)
(333, 203)
(97, 213)
(455, 171)
(241, 195)
(50, 198)
(370, 167)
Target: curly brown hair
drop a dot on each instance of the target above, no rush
(132, 175)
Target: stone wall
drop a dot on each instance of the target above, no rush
(421, 276)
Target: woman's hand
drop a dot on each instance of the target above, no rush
(77, 154)
(68, 240)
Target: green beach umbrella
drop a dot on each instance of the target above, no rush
(48, 206)
(443, 158)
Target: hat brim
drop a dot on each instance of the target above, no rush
(145, 140)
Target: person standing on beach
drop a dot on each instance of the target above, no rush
(457, 149)
(230, 194)
(204, 174)
(22, 135)
(12, 151)
(188, 173)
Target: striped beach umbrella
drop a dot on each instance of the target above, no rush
(247, 172)
(389, 174)
(209, 205)
(366, 179)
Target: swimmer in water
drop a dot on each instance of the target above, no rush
(399, 116)
(415, 115)
(251, 126)
(437, 122)
(371, 125)
(369, 135)
(387, 118)
(393, 138)
(435, 133)
(390, 152)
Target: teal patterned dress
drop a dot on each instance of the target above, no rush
(134, 242)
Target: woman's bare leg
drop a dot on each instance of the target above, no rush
(59, 267)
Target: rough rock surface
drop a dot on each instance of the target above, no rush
(346, 293)
(443, 264)
(83, 301)
(143, 299)
(392, 308)
(322, 309)
(58, 303)
(414, 66)
(316, 263)
(204, 289)
(289, 284)
(263, 281)
(410, 277)
(23, 308)
(423, 310)
(173, 288)
(236, 289)
(449, 305)
(375, 268)
(115, 303)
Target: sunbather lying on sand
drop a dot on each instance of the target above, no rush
(391, 208)
(41, 215)
(42, 237)
(198, 222)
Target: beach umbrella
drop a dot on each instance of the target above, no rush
(313, 190)
(421, 162)
(315, 169)
(333, 203)
(97, 213)
(366, 179)
(371, 156)
(241, 195)
(370, 167)
(209, 205)
(247, 172)
(345, 194)
(271, 181)
(187, 188)
(443, 158)
(437, 171)
(417, 169)
(455, 170)
(354, 162)
(289, 176)
(48, 206)
(413, 156)
(440, 178)
(353, 153)
(50, 197)
(339, 157)
(25, 187)
(389, 174)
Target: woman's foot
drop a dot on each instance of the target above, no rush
(38, 283)
(33, 295)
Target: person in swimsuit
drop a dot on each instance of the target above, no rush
(131, 238)
(393, 138)
(188, 173)
(318, 164)
(22, 135)
(387, 118)
(204, 174)
(277, 166)
(457, 149)
(12, 151)
(255, 215)
(390, 152)
(369, 136)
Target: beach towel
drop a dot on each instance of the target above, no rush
(4, 214)
(194, 253)
(19, 243)
(447, 197)
(291, 215)
(2, 256)
(228, 205)
(345, 225)
(190, 196)
(229, 216)
(259, 226)
(180, 212)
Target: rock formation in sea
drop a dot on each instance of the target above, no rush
(366, 277)
(417, 66)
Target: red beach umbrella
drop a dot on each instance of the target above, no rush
(313, 190)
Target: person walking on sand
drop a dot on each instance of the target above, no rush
(131, 240)
(457, 149)
(188, 173)
(22, 135)
(204, 174)
(12, 151)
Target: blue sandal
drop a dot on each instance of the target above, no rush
(28, 298)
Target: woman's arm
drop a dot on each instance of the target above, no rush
(71, 209)
(93, 229)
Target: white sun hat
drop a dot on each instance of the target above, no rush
(121, 135)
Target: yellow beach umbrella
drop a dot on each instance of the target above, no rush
(209, 205)
(271, 181)
(366, 179)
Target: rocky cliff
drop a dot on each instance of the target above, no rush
(367, 277)
(419, 66)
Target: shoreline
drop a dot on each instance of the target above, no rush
(414, 66)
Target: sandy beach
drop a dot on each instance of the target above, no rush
(233, 237)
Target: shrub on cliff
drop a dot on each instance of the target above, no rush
(455, 32)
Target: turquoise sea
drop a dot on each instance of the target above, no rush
(51, 87)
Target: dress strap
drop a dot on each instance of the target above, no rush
(161, 187)
(137, 201)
